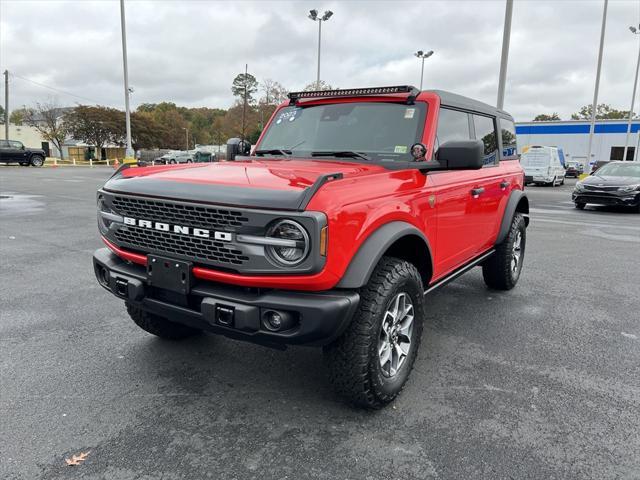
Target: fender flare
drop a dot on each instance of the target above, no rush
(373, 248)
(515, 198)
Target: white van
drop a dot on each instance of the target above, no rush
(542, 165)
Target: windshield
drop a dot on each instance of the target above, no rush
(619, 170)
(381, 131)
(535, 159)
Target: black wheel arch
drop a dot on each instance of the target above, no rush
(518, 202)
(396, 239)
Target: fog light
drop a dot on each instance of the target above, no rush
(277, 321)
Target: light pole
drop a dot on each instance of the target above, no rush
(127, 91)
(635, 31)
(313, 15)
(595, 92)
(504, 58)
(423, 55)
(187, 136)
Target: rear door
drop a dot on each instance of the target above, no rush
(491, 178)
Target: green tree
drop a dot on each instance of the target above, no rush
(1, 115)
(603, 112)
(545, 117)
(47, 119)
(244, 87)
(95, 125)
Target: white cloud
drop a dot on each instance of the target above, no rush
(188, 52)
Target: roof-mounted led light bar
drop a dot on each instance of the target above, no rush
(356, 92)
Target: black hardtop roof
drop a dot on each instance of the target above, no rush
(458, 101)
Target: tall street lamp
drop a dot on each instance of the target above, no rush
(594, 105)
(187, 136)
(635, 31)
(127, 91)
(313, 15)
(423, 55)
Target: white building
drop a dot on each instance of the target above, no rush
(573, 137)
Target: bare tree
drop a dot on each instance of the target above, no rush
(46, 118)
(274, 92)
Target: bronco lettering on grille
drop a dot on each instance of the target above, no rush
(183, 230)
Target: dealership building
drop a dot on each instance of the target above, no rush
(573, 137)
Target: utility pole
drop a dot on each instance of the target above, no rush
(506, 38)
(635, 31)
(6, 104)
(595, 92)
(129, 150)
(244, 104)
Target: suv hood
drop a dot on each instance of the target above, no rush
(265, 183)
(596, 180)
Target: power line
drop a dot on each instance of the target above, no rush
(53, 88)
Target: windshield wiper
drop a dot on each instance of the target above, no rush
(274, 151)
(341, 153)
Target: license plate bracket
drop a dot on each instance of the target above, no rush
(170, 274)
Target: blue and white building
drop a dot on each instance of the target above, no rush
(573, 137)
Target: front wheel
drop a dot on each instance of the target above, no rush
(502, 270)
(580, 205)
(37, 161)
(370, 363)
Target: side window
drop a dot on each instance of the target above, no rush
(452, 125)
(509, 141)
(486, 131)
(4, 144)
(14, 144)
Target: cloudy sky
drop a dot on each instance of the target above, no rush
(188, 52)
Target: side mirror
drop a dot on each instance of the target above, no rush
(237, 147)
(458, 155)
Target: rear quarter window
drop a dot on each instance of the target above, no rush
(509, 140)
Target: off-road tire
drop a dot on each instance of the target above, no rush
(580, 206)
(497, 270)
(159, 326)
(353, 360)
(37, 161)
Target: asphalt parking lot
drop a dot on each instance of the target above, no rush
(539, 382)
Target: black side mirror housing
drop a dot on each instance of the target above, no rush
(458, 155)
(237, 147)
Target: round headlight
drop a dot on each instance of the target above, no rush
(293, 248)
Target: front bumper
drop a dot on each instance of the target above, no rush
(598, 198)
(320, 316)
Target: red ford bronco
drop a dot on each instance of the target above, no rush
(351, 208)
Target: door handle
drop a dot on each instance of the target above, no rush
(476, 192)
(504, 184)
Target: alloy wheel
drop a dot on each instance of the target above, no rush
(396, 334)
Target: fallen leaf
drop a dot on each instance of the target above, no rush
(77, 459)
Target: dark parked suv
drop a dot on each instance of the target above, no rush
(12, 151)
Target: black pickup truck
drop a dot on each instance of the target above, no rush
(13, 151)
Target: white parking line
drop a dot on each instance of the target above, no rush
(586, 224)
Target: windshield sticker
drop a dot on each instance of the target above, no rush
(400, 149)
(409, 112)
(290, 115)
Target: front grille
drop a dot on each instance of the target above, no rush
(179, 214)
(203, 249)
(601, 199)
(600, 188)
